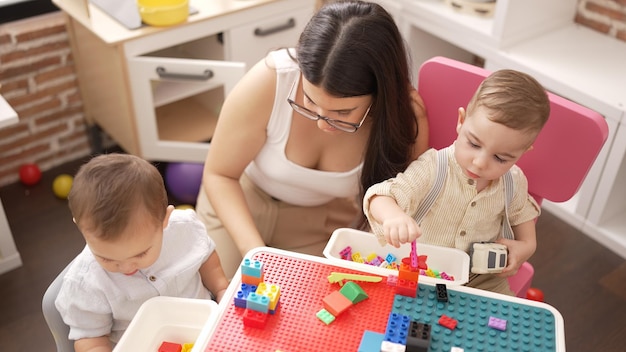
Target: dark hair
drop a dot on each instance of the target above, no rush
(108, 190)
(354, 48)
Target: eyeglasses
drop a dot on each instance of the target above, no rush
(338, 124)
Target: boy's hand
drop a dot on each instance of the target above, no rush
(519, 252)
(400, 229)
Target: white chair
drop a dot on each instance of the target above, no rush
(58, 328)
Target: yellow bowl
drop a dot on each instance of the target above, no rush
(163, 12)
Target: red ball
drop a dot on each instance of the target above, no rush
(534, 294)
(30, 174)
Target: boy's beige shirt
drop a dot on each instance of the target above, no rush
(460, 215)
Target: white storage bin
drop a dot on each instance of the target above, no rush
(172, 319)
(452, 261)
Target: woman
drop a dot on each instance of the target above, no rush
(303, 127)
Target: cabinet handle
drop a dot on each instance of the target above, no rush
(262, 32)
(204, 76)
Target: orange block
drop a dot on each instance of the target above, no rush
(405, 273)
(336, 303)
(251, 280)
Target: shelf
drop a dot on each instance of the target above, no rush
(578, 63)
(190, 120)
(166, 92)
(471, 33)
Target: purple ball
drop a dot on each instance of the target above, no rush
(183, 181)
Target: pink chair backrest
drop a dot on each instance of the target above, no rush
(563, 152)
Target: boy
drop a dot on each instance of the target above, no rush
(138, 247)
(503, 118)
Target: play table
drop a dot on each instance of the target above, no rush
(303, 283)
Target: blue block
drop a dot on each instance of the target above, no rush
(397, 328)
(242, 295)
(258, 302)
(252, 268)
(370, 342)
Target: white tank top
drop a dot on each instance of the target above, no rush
(281, 178)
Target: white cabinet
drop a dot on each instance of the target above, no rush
(541, 38)
(157, 91)
(428, 22)
(250, 42)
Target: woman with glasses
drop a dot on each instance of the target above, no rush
(307, 130)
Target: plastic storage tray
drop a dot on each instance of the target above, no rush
(171, 319)
(452, 261)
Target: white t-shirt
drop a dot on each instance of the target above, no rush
(95, 302)
(278, 176)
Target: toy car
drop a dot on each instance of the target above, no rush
(487, 257)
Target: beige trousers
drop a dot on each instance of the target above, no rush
(282, 225)
(490, 282)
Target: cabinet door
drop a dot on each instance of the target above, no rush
(250, 43)
(177, 103)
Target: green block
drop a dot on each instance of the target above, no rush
(325, 316)
(353, 292)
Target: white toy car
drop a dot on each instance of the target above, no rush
(488, 257)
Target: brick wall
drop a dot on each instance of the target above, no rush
(38, 80)
(605, 16)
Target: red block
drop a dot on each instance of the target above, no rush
(447, 322)
(170, 347)
(406, 288)
(336, 303)
(255, 319)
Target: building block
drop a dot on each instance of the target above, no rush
(406, 288)
(497, 323)
(388, 346)
(442, 292)
(397, 328)
(187, 347)
(170, 347)
(392, 280)
(325, 316)
(271, 291)
(356, 257)
(346, 252)
(252, 280)
(421, 262)
(413, 255)
(254, 319)
(242, 295)
(371, 341)
(406, 273)
(418, 337)
(448, 322)
(303, 285)
(336, 277)
(258, 302)
(353, 292)
(336, 303)
(251, 267)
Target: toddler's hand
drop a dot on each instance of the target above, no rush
(401, 229)
(519, 252)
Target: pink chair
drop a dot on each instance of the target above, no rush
(563, 152)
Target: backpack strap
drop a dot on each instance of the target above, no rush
(509, 188)
(440, 178)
